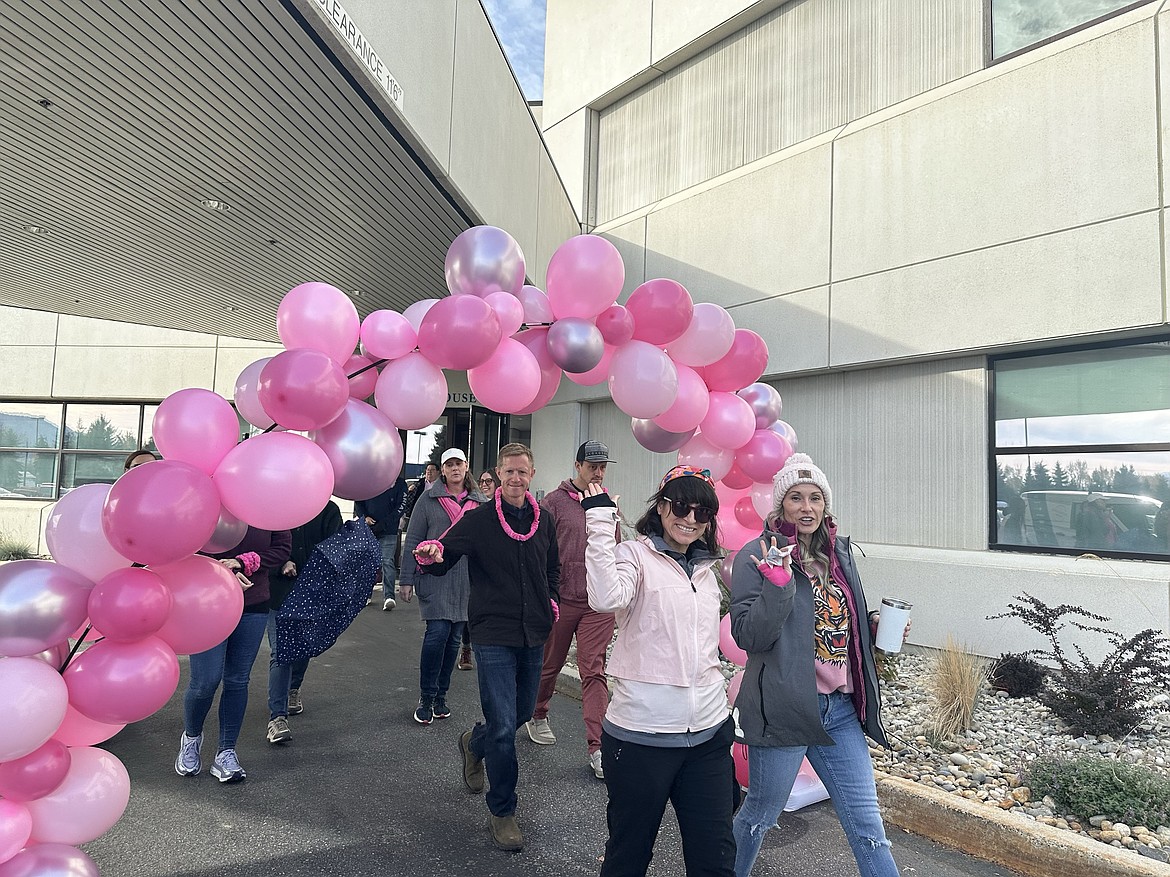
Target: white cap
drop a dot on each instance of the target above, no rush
(452, 454)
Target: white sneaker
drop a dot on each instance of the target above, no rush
(188, 763)
(388, 604)
(595, 763)
(540, 732)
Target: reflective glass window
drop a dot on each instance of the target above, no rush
(1018, 24)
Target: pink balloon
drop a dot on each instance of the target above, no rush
(207, 604)
(739, 757)
(598, 374)
(733, 687)
(160, 512)
(411, 391)
(74, 533)
(50, 860)
(320, 317)
(86, 805)
(116, 682)
(303, 389)
(34, 775)
(416, 312)
(509, 380)
(575, 344)
(364, 449)
(707, 338)
(616, 325)
(129, 604)
(196, 426)
(656, 439)
(642, 380)
(764, 454)
(700, 452)
(765, 401)
(689, 406)
(745, 514)
(79, 730)
(536, 306)
(484, 259)
(229, 532)
(40, 603)
(584, 277)
(388, 335)
(509, 311)
(662, 310)
(741, 365)
(736, 478)
(762, 499)
(726, 566)
(786, 432)
(361, 386)
(727, 643)
(733, 536)
(86, 632)
(15, 828)
(256, 481)
(459, 332)
(730, 422)
(34, 697)
(550, 372)
(246, 398)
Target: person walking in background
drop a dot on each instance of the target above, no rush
(594, 630)
(668, 733)
(511, 552)
(810, 687)
(137, 458)
(284, 680)
(430, 475)
(442, 600)
(259, 553)
(382, 513)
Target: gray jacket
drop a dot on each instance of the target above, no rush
(777, 700)
(439, 597)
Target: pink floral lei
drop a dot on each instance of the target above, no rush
(519, 537)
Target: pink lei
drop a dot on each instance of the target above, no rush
(519, 537)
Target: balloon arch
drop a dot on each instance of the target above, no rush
(682, 371)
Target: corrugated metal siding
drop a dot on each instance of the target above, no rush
(808, 67)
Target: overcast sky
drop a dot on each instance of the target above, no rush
(520, 26)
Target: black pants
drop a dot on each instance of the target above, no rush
(641, 779)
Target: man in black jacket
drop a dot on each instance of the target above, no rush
(382, 513)
(514, 567)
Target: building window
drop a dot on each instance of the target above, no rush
(1081, 451)
(1018, 25)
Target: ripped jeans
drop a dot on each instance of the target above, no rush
(847, 772)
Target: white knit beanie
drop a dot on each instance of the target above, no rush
(800, 469)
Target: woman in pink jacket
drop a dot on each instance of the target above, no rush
(667, 734)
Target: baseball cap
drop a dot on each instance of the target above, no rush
(593, 452)
(452, 454)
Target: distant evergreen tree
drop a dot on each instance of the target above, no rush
(1060, 479)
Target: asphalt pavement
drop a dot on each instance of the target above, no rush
(363, 790)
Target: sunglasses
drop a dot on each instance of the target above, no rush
(681, 509)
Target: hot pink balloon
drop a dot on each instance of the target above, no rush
(730, 422)
(734, 536)
(707, 338)
(459, 332)
(34, 697)
(662, 310)
(700, 452)
(550, 373)
(196, 426)
(762, 499)
(207, 603)
(129, 604)
(411, 391)
(320, 317)
(741, 365)
(362, 376)
(388, 334)
(736, 478)
(122, 681)
(229, 532)
(256, 480)
(482, 260)
(303, 389)
(160, 512)
(364, 448)
(86, 805)
(739, 757)
(616, 325)
(34, 775)
(509, 311)
(642, 380)
(40, 603)
(78, 730)
(246, 398)
(689, 406)
(15, 828)
(745, 514)
(50, 860)
(727, 643)
(74, 533)
(733, 687)
(509, 380)
(599, 374)
(415, 313)
(763, 455)
(536, 306)
(584, 277)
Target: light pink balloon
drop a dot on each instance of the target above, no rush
(762, 499)
(50, 860)
(116, 682)
(15, 828)
(207, 604)
(734, 536)
(246, 398)
(550, 372)
(536, 306)
(707, 338)
(690, 404)
(509, 380)
(700, 452)
(730, 422)
(160, 512)
(361, 386)
(616, 325)
(303, 389)
(745, 514)
(763, 455)
(389, 334)
(662, 310)
(256, 481)
(411, 391)
(643, 381)
(459, 332)
(364, 449)
(584, 277)
(786, 432)
(34, 775)
(727, 643)
(74, 533)
(79, 730)
(415, 313)
(34, 696)
(86, 805)
(509, 311)
(733, 687)
(196, 426)
(229, 532)
(319, 317)
(741, 365)
(129, 604)
(597, 375)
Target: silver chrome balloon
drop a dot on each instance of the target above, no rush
(765, 401)
(654, 438)
(41, 604)
(575, 344)
(482, 260)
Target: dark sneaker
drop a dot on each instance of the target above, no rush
(472, 766)
(465, 659)
(278, 730)
(226, 767)
(506, 833)
(295, 705)
(425, 712)
(441, 710)
(188, 763)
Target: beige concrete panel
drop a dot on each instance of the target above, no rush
(23, 520)
(27, 371)
(1087, 280)
(794, 326)
(20, 326)
(230, 361)
(590, 48)
(757, 235)
(680, 22)
(555, 436)
(567, 143)
(556, 221)
(1064, 141)
(148, 373)
(109, 333)
(637, 471)
(630, 240)
(250, 343)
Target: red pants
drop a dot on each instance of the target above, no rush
(594, 632)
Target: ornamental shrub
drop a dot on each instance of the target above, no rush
(1093, 786)
(1018, 675)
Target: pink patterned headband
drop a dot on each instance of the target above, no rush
(685, 472)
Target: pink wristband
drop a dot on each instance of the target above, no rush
(426, 561)
(250, 560)
(556, 610)
(777, 575)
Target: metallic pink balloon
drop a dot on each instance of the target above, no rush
(742, 365)
(765, 401)
(246, 399)
(229, 532)
(256, 481)
(303, 389)
(50, 860)
(388, 335)
(785, 431)
(584, 277)
(364, 448)
(536, 306)
(482, 260)
(599, 374)
(41, 603)
(196, 426)
(707, 338)
(36, 774)
(361, 386)
(459, 332)
(509, 380)
(320, 317)
(75, 536)
(616, 325)
(411, 391)
(160, 512)
(654, 438)
(662, 309)
(86, 805)
(575, 345)
(129, 604)
(116, 682)
(207, 605)
(642, 380)
(54, 656)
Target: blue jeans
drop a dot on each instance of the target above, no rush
(508, 679)
(230, 663)
(281, 677)
(847, 772)
(388, 543)
(440, 651)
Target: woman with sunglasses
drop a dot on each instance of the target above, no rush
(667, 734)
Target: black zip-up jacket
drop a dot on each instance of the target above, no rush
(385, 508)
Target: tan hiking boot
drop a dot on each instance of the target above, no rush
(472, 766)
(506, 832)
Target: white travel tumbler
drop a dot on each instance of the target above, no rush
(891, 625)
